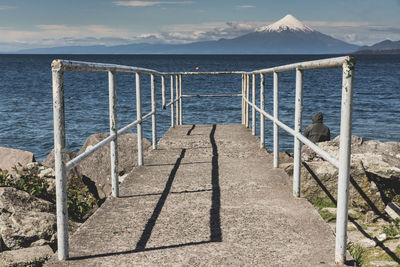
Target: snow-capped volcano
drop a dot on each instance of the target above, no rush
(287, 23)
(286, 36)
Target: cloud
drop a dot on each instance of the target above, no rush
(185, 33)
(149, 3)
(50, 35)
(354, 24)
(6, 7)
(245, 6)
(385, 29)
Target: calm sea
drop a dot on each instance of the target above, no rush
(26, 96)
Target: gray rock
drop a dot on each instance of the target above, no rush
(24, 219)
(370, 216)
(381, 237)
(375, 173)
(97, 166)
(383, 263)
(34, 256)
(10, 157)
(49, 163)
(367, 243)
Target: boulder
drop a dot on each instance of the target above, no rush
(49, 163)
(25, 219)
(374, 173)
(34, 256)
(10, 157)
(97, 166)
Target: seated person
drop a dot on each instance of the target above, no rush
(317, 131)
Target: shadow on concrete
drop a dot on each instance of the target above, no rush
(178, 193)
(170, 164)
(191, 129)
(141, 244)
(215, 219)
(136, 250)
(359, 228)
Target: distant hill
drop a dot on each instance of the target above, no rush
(286, 36)
(384, 47)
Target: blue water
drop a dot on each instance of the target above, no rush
(26, 96)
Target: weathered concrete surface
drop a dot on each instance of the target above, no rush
(208, 196)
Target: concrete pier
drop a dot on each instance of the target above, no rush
(207, 196)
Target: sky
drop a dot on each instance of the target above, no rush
(49, 23)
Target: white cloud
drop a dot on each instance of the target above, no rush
(245, 6)
(6, 7)
(149, 3)
(354, 24)
(49, 35)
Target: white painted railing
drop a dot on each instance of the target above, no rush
(343, 163)
(176, 104)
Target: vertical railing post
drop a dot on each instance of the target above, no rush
(253, 110)
(180, 101)
(60, 169)
(344, 160)
(276, 117)
(112, 94)
(172, 102)
(243, 120)
(153, 110)
(247, 100)
(139, 117)
(262, 106)
(297, 129)
(177, 99)
(163, 92)
(244, 98)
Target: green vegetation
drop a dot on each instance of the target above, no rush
(80, 200)
(364, 256)
(392, 229)
(320, 203)
(327, 216)
(396, 199)
(357, 252)
(25, 181)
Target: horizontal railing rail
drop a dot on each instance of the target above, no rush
(176, 105)
(224, 95)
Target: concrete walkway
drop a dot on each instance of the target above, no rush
(208, 196)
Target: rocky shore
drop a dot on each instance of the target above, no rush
(27, 196)
(374, 195)
(27, 191)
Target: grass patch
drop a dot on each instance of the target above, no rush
(357, 252)
(351, 229)
(327, 216)
(392, 229)
(374, 254)
(322, 203)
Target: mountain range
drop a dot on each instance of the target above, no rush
(286, 36)
(384, 47)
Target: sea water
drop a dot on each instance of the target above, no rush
(26, 118)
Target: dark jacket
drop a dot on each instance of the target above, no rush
(317, 131)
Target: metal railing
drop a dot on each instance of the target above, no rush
(343, 163)
(61, 167)
(176, 105)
